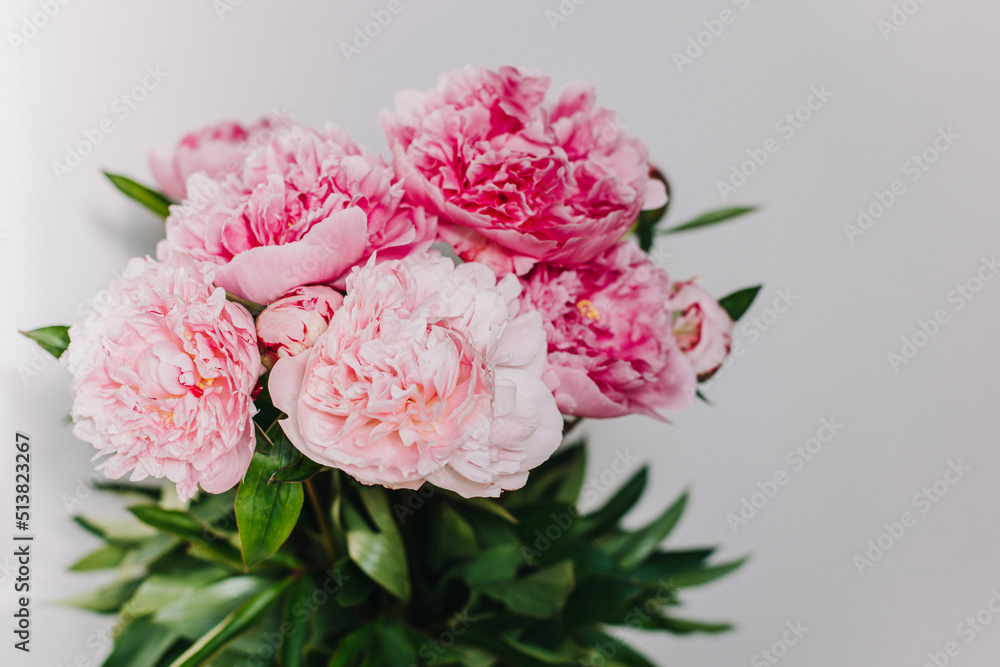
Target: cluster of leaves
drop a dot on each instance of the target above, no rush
(370, 577)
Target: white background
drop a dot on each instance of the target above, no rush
(824, 357)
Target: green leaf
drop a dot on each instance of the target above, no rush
(711, 218)
(497, 564)
(663, 565)
(702, 397)
(514, 652)
(126, 489)
(353, 646)
(183, 524)
(704, 576)
(53, 340)
(623, 653)
(108, 599)
(198, 610)
(301, 470)
(228, 628)
(266, 512)
(452, 536)
(645, 226)
(379, 553)
(296, 614)
(624, 499)
(141, 644)
(680, 626)
(540, 595)
(151, 199)
(124, 534)
(392, 648)
(737, 303)
(102, 559)
(554, 480)
(640, 544)
(159, 590)
(600, 600)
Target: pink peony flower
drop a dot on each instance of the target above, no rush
(611, 349)
(427, 373)
(217, 150)
(304, 209)
(291, 325)
(516, 179)
(163, 369)
(702, 328)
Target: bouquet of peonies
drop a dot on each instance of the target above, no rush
(406, 345)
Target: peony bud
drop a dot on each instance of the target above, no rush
(702, 328)
(292, 324)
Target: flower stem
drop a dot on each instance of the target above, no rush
(324, 524)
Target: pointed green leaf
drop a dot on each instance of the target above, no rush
(198, 610)
(705, 575)
(680, 626)
(184, 525)
(624, 499)
(159, 590)
(497, 564)
(151, 199)
(645, 226)
(353, 646)
(102, 559)
(452, 536)
(513, 652)
(623, 653)
(266, 512)
(663, 565)
(711, 218)
(738, 303)
(108, 599)
(141, 644)
(301, 470)
(53, 340)
(640, 544)
(296, 614)
(541, 594)
(379, 553)
(232, 625)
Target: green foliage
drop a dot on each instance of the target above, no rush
(369, 577)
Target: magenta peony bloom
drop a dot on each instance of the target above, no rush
(293, 323)
(609, 326)
(702, 328)
(303, 210)
(516, 179)
(427, 373)
(217, 150)
(163, 371)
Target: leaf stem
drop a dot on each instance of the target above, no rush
(570, 424)
(324, 524)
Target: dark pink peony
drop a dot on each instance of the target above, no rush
(303, 210)
(514, 178)
(610, 336)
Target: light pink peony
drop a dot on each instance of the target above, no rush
(610, 341)
(217, 150)
(293, 323)
(516, 179)
(702, 328)
(427, 373)
(163, 370)
(304, 209)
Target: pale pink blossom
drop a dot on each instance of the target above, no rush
(163, 371)
(427, 373)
